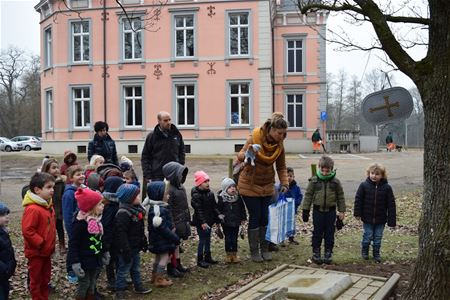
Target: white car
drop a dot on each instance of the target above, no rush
(28, 142)
(7, 145)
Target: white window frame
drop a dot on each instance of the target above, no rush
(239, 95)
(48, 47)
(186, 98)
(124, 2)
(294, 104)
(49, 109)
(81, 35)
(133, 98)
(84, 101)
(228, 28)
(89, 4)
(184, 29)
(133, 33)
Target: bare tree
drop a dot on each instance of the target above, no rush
(431, 275)
(354, 101)
(341, 82)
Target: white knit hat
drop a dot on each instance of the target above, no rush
(226, 183)
(124, 159)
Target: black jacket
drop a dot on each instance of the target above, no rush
(205, 207)
(178, 202)
(234, 212)
(84, 247)
(105, 147)
(7, 258)
(375, 204)
(161, 238)
(129, 231)
(108, 222)
(159, 149)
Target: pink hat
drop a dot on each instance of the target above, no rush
(200, 177)
(87, 199)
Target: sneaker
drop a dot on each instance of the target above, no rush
(73, 279)
(142, 290)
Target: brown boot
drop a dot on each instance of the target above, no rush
(162, 281)
(229, 258)
(236, 258)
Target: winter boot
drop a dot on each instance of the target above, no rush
(272, 246)
(180, 268)
(327, 257)
(376, 254)
(264, 245)
(365, 251)
(161, 280)
(316, 258)
(253, 241)
(209, 259)
(235, 257)
(140, 289)
(173, 272)
(201, 262)
(229, 258)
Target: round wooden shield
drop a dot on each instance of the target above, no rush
(387, 105)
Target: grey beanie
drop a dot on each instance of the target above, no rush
(226, 183)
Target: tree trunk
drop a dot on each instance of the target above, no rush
(431, 276)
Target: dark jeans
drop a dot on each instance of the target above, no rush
(133, 267)
(324, 227)
(60, 229)
(86, 284)
(372, 232)
(258, 210)
(231, 238)
(4, 290)
(204, 241)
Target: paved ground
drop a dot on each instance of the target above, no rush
(405, 170)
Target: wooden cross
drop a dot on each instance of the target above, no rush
(387, 106)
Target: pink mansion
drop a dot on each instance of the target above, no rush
(219, 67)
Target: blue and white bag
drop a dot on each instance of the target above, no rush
(281, 220)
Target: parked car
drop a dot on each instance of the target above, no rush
(8, 145)
(28, 142)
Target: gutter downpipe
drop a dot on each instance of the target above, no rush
(104, 61)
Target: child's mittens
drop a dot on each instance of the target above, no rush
(78, 270)
(305, 215)
(106, 258)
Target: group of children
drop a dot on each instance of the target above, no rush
(104, 221)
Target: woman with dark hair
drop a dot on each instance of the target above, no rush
(102, 144)
(256, 183)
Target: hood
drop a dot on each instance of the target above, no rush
(31, 198)
(174, 172)
(70, 187)
(69, 157)
(382, 181)
(110, 197)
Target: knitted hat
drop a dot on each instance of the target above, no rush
(200, 177)
(127, 193)
(87, 199)
(112, 184)
(4, 210)
(94, 182)
(155, 190)
(69, 157)
(226, 183)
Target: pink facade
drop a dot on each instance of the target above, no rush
(219, 67)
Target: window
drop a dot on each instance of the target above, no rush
(294, 56)
(81, 107)
(133, 106)
(80, 42)
(131, 2)
(240, 104)
(132, 38)
(184, 36)
(49, 104)
(185, 97)
(295, 110)
(79, 4)
(46, 10)
(238, 26)
(48, 48)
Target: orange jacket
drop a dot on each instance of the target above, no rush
(38, 226)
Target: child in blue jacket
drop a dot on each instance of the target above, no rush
(295, 192)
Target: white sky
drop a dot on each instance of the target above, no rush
(19, 26)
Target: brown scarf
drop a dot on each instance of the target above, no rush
(259, 138)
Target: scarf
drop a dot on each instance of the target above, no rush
(266, 148)
(228, 198)
(137, 211)
(326, 177)
(94, 225)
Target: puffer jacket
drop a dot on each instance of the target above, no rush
(375, 203)
(234, 212)
(205, 207)
(324, 195)
(105, 147)
(258, 181)
(160, 235)
(7, 258)
(159, 149)
(178, 203)
(38, 226)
